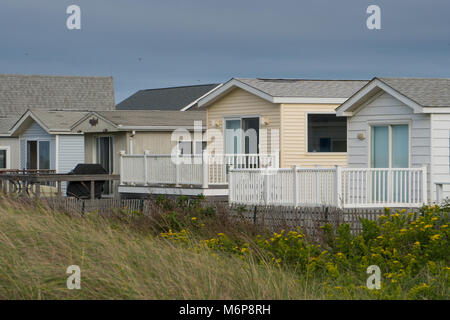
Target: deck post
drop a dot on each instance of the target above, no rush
(38, 190)
(230, 185)
(92, 189)
(59, 183)
(205, 169)
(121, 153)
(266, 188)
(338, 187)
(295, 186)
(145, 168)
(424, 185)
(177, 169)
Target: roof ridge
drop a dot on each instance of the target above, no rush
(300, 79)
(50, 76)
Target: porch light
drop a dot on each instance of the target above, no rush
(265, 121)
(361, 136)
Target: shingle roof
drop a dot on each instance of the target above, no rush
(426, 92)
(153, 118)
(174, 98)
(19, 93)
(59, 120)
(306, 88)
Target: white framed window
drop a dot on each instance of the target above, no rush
(241, 135)
(38, 154)
(389, 146)
(4, 157)
(326, 133)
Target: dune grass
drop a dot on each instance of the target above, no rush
(190, 252)
(117, 262)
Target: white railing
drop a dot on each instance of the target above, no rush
(293, 187)
(220, 164)
(379, 187)
(342, 187)
(145, 169)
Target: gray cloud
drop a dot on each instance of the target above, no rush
(146, 44)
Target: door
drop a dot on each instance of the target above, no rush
(105, 158)
(390, 149)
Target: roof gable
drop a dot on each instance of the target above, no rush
(422, 95)
(290, 90)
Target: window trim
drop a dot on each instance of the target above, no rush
(307, 152)
(8, 157)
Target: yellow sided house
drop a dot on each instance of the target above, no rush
(294, 120)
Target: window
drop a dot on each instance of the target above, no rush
(242, 135)
(390, 146)
(3, 159)
(191, 147)
(38, 154)
(327, 133)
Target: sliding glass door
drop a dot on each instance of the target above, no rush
(390, 149)
(38, 154)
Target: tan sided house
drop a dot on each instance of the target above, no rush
(294, 119)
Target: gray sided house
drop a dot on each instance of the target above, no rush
(402, 123)
(31, 136)
(59, 140)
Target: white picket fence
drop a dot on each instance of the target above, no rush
(341, 187)
(204, 170)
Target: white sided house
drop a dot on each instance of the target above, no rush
(401, 123)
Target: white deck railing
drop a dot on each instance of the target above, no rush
(342, 187)
(204, 170)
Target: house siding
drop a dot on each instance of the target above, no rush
(440, 124)
(13, 146)
(70, 152)
(385, 109)
(294, 137)
(154, 142)
(241, 103)
(36, 132)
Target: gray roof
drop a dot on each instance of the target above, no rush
(139, 118)
(426, 92)
(306, 88)
(175, 98)
(59, 120)
(18, 93)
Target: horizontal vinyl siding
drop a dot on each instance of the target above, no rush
(154, 142)
(14, 151)
(385, 109)
(441, 151)
(70, 152)
(294, 138)
(241, 103)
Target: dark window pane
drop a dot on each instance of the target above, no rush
(44, 154)
(2, 159)
(327, 133)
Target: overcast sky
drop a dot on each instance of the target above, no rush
(149, 44)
